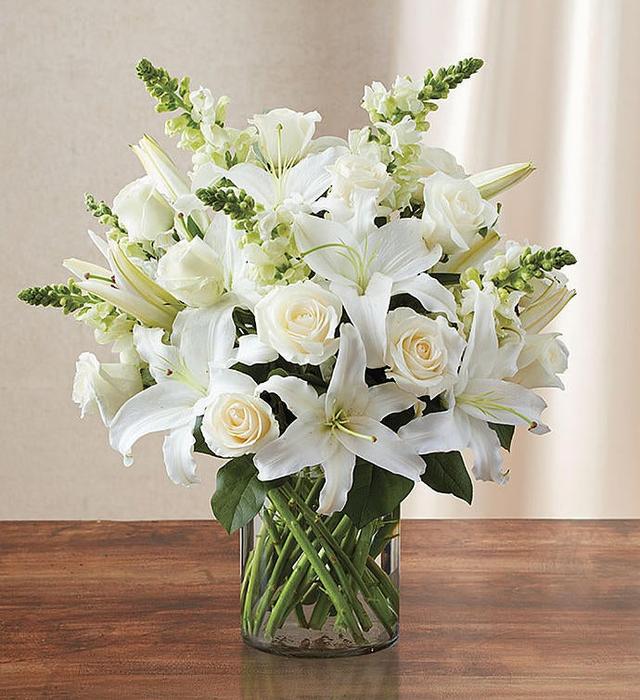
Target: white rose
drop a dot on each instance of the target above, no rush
(437, 160)
(103, 388)
(457, 211)
(284, 135)
(193, 272)
(423, 354)
(299, 321)
(542, 358)
(237, 424)
(351, 172)
(143, 211)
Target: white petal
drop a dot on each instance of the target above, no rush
(400, 251)
(368, 313)
(163, 360)
(80, 268)
(388, 451)
(310, 177)
(255, 181)
(252, 351)
(487, 454)
(435, 297)
(480, 355)
(206, 176)
(347, 388)
(178, 455)
(133, 304)
(301, 398)
(445, 431)
(206, 337)
(303, 444)
(338, 475)
(388, 398)
(498, 401)
(332, 262)
(230, 381)
(158, 408)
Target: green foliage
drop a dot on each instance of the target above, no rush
(504, 433)
(68, 297)
(374, 493)
(239, 493)
(237, 204)
(533, 264)
(446, 473)
(170, 93)
(437, 85)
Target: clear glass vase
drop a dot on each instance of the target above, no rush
(317, 585)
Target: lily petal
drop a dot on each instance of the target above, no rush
(503, 402)
(158, 408)
(300, 397)
(445, 431)
(178, 455)
(252, 351)
(387, 450)
(388, 398)
(303, 444)
(163, 360)
(368, 313)
(435, 297)
(205, 337)
(479, 357)
(347, 388)
(400, 251)
(310, 178)
(487, 455)
(338, 475)
(329, 241)
(255, 181)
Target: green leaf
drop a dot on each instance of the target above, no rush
(446, 473)
(504, 433)
(375, 492)
(239, 493)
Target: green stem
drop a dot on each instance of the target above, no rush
(287, 550)
(343, 610)
(376, 601)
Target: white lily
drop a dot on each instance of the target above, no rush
(367, 265)
(284, 191)
(480, 395)
(492, 182)
(171, 184)
(202, 340)
(125, 285)
(332, 429)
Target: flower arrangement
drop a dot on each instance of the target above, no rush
(339, 319)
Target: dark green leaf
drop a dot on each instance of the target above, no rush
(239, 493)
(504, 433)
(446, 473)
(375, 492)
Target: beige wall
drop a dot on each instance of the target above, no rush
(560, 87)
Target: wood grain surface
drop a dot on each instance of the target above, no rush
(490, 609)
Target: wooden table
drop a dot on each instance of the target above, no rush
(490, 609)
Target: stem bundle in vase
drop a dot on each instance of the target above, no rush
(338, 319)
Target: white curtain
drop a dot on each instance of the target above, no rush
(560, 87)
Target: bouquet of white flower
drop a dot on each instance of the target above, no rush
(338, 319)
